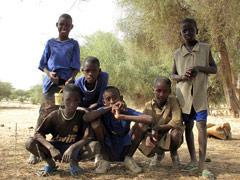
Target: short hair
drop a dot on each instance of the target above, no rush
(162, 79)
(66, 16)
(91, 60)
(111, 89)
(73, 88)
(189, 20)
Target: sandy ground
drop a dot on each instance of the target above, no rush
(17, 122)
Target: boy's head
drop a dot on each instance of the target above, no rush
(71, 97)
(188, 29)
(161, 89)
(64, 25)
(91, 69)
(111, 95)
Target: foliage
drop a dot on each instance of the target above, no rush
(5, 90)
(36, 94)
(153, 27)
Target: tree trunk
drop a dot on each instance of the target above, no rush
(230, 95)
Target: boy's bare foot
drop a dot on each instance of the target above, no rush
(156, 160)
(206, 174)
(33, 159)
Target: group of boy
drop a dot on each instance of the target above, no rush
(95, 121)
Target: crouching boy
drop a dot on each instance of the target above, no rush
(166, 131)
(71, 136)
(118, 140)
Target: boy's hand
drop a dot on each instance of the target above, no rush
(151, 141)
(67, 156)
(55, 153)
(68, 81)
(52, 77)
(116, 111)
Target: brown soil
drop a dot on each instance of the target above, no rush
(17, 122)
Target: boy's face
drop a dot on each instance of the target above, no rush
(111, 97)
(64, 26)
(161, 92)
(91, 72)
(188, 32)
(71, 101)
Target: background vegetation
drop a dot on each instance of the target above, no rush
(149, 36)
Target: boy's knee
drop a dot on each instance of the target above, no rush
(95, 147)
(96, 124)
(30, 143)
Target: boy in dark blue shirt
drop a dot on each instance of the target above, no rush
(118, 140)
(92, 84)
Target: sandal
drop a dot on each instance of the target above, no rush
(189, 168)
(75, 170)
(206, 174)
(46, 171)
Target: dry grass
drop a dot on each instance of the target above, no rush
(225, 155)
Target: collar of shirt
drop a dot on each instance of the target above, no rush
(185, 52)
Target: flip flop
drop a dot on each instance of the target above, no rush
(189, 167)
(75, 170)
(47, 169)
(206, 174)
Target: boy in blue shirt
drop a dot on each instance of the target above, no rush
(92, 84)
(61, 63)
(118, 140)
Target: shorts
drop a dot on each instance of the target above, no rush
(48, 103)
(197, 116)
(63, 147)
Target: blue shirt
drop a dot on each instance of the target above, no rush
(118, 134)
(60, 57)
(96, 95)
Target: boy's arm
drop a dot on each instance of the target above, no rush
(88, 136)
(146, 119)
(55, 153)
(94, 106)
(92, 115)
(176, 77)
(72, 77)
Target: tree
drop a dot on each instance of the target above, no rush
(5, 90)
(154, 25)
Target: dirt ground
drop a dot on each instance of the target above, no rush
(17, 122)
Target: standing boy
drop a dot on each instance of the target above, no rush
(166, 131)
(61, 63)
(118, 140)
(92, 84)
(193, 62)
(71, 136)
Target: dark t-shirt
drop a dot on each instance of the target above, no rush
(64, 131)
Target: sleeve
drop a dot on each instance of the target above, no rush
(104, 83)
(75, 63)
(46, 127)
(176, 121)
(132, 112)
(44, 60)
(78, 82)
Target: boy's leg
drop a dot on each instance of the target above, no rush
(34, 147)
(89, 150)
(202, 141)
(99, 131)
(103, 165)
(137, 132)
(176, 141)
(47, 106)
(190, 143)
